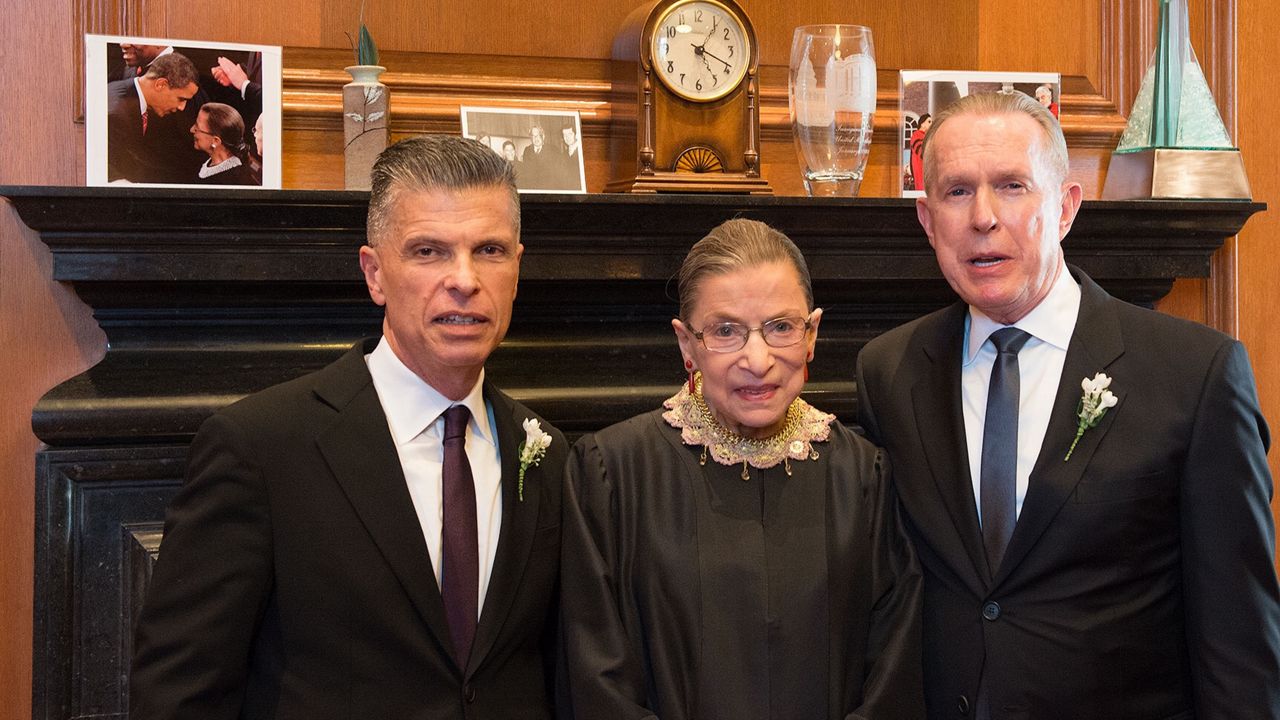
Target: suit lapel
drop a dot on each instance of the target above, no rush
(1095, 344)
(519, 521)
(362, 456)
(936, 400)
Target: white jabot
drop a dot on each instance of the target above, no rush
(1040, 362)
(414, 413)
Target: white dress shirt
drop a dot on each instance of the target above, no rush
(142, 99)
(1040, 362)
(415, 417)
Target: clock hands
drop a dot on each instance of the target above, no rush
(727, 66)
(702, 52)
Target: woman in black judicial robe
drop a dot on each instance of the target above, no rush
(219, 132)
(738, 554)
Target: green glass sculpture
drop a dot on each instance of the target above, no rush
(1174, 107)
(1175, 144)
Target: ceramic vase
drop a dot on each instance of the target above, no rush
(364, 121)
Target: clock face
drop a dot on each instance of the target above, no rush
(700, 50)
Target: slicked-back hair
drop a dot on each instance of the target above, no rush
(175, 68)
(1001, 103)
(434, 163)
(734, 245)
(225, 123)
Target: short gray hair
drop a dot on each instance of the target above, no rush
(175, 68)
(431, 163)
(1001, 103)
(734, 245)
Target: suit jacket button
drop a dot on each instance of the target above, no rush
(963, 705)
(469, 693)
(991, 611)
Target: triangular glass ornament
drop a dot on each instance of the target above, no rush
(1174, 108)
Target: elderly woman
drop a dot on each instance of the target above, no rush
(219, 133)
(738, 554)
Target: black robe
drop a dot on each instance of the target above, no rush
(690, 594)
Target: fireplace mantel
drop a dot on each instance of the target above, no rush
(208, 296)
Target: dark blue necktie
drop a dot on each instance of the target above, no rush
(1000, 447)
(460, 556)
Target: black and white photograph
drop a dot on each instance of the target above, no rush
(925, 93)
(181, 113)
(545, 146)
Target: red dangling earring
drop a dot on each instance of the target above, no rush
(688, 366)
(806, 372)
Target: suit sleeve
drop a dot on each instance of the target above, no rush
(122, 137)
(894, 687)
(1228, 541)
(209, 587)
(866, 413)
(602, 670)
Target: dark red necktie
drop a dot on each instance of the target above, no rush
(460, 556)
(144, 122)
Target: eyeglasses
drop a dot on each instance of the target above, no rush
(727, 337)
(196, 129)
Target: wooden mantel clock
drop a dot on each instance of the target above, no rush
(686, 105)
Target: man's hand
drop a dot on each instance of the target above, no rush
(230, 74)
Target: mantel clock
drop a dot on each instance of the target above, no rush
(686, 106)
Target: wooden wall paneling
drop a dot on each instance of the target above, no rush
(1125, 42)
(1259, 278)
(46, 334)
(266, 22)
(906, 35)
(1016, 35)
(103, 17)
(1213, 300)
(572, 29)
(1221, 295)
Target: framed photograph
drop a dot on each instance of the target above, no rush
(924, 93)
(545, 146)
(181, 113)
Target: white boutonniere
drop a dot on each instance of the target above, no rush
(532, 449)
(1094, 403)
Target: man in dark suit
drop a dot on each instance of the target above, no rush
(538, 166)
(379, 539)
(148, 137)
(1112, 568)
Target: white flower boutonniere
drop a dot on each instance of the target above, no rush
(1094, 403)
(532, 449)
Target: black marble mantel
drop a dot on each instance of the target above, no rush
(207, 296)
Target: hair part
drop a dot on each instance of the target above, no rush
(432, 163)
(734, 245)
(174, 68)
(1054, 150)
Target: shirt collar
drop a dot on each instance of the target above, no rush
(412, 406)
(1051, 322)
(142, 99)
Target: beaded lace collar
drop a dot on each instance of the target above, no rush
(804, 426)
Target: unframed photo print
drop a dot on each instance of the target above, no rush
(925, 93)
(545, 146)
(220, 129)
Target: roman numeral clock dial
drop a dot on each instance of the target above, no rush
(700, 50)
